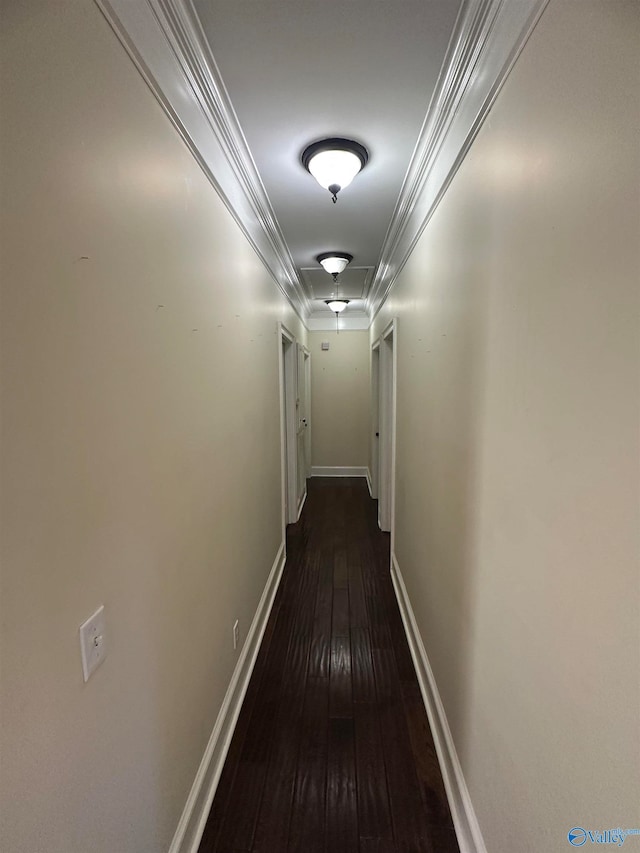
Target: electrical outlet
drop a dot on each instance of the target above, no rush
(236, 634)
(93, 642)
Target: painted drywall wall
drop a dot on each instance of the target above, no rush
(140, 442)
(517, 490)
(340, 399)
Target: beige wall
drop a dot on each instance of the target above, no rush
(340, 399)
(133, 474)
(517, 461)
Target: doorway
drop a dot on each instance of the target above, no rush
(385, 433)
(375, 421)
(295, 373)
(303, 433)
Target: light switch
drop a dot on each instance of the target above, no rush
(93, 642)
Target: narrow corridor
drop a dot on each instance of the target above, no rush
(332, 750)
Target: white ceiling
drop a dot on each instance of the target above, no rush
(306, 70)
(250, 83)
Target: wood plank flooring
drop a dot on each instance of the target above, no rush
(332, 750)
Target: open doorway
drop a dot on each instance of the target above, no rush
(385, 435)
(303, 431)
(375, 421)
(294, 374)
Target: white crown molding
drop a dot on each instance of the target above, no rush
(487, 39)
(166, 43)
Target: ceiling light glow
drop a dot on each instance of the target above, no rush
(335, 162)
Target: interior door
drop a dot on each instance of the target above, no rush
(289, 440)
(307, 431)
(302, 423)
(375, 422)
(386, 420)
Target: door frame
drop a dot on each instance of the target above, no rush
(375, 422)
(287, 373)
(302, 418)
(387, 422)
(307, 375)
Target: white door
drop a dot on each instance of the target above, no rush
(375, 421)
(302, 427)
(288, 426)
(386, 421)
(307, 439)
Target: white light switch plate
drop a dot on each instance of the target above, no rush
(93, 642)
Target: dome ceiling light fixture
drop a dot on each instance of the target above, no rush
(334, 162)
(334, 263)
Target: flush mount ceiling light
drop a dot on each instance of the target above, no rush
(335, 162)
(337, 305)
(334, 263)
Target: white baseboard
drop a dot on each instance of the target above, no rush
(369, 486)
(194, 817)
(338, 471)
(464, 817)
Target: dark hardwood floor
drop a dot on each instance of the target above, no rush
(332, 750)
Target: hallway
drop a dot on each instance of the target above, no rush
(171, 373)
(332, 750)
